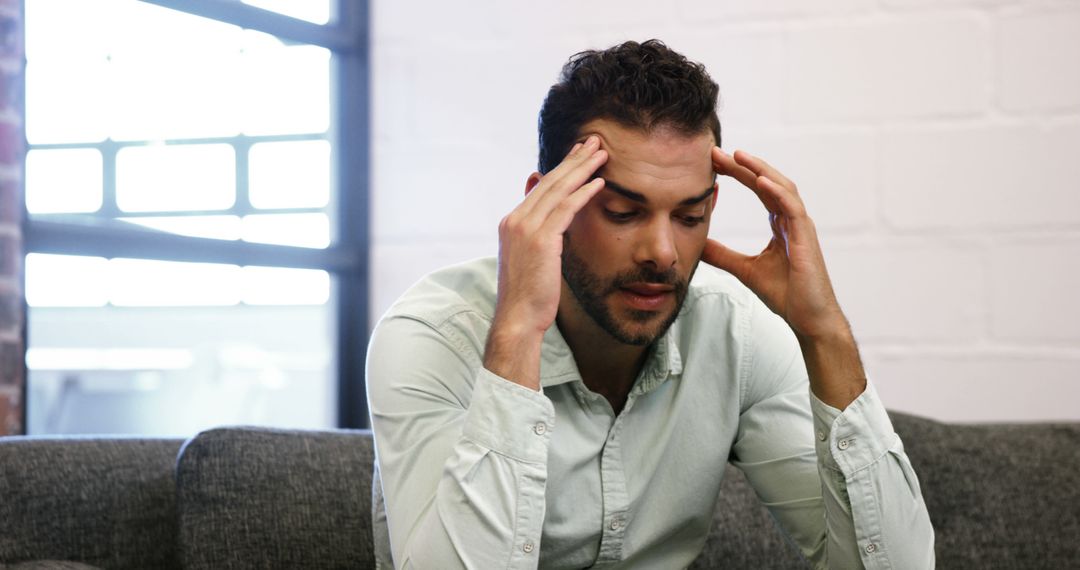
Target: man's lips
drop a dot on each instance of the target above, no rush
(647, 289)
(646, 296)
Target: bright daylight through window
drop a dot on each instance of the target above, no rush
(153, 126)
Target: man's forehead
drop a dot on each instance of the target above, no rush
(661, 159)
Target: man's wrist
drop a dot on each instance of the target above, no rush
(833, 364)
(512, 352)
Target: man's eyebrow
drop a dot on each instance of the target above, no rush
(640, 198)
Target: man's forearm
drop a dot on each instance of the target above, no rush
(834, 367)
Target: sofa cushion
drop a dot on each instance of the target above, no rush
(108, 502)
(273, 498)
(1003, 496)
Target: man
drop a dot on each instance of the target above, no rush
(575, 403)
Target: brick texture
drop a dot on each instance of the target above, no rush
(934, 143)
(12, 307)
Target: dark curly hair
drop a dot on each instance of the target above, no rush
(641, 86)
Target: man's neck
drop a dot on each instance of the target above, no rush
(607, 366)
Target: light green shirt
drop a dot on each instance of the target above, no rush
(476, 471)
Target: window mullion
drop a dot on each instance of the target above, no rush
(338, 37)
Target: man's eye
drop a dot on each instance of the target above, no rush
(620, 216)
(691, 221)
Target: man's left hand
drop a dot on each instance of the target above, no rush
(789, 276)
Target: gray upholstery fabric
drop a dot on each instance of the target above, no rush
(49, 565)
(1001, 497)
(268, 498)
(744, 534)
(102, 502)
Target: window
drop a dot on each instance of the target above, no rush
(189, 164)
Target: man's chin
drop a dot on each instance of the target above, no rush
(641, 328)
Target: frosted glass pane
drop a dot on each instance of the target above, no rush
(314, 11)
(175, 177)
(48, 35)
(285, 89)
(175, 371)
(51, 279)
(108, 358)
(174, 96)
(213, 227)
(63, 181)
(163, 84)
(303, 230)
(294, 174)
(138, 282)
(144, 30)
(279, 286)
(65, 101)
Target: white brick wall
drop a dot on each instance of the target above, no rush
(935, 143)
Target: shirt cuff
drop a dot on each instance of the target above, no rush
(854, 438)
(509, 419)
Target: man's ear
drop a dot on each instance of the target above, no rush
(531, 183)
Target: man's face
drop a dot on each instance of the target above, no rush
(629, 254)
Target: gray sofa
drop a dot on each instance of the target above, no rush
(1000, 497)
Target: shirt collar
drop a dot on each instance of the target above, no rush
(557, 365)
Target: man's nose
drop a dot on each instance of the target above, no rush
(656, 246)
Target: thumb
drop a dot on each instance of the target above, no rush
(721, 256)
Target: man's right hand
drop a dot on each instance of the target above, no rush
(530, 263)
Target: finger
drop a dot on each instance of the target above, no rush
(564, 213)
(723, 257)
(788, 202)
(576, 154)
(584, 157)
(724, 164)
(568, 184)
(761, 168)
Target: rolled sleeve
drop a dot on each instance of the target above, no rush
(868, 479)
(509, 419)
(854, 438)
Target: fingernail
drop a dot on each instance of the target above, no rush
(592, 140)
(575, 147)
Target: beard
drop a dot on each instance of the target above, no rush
(592, 292)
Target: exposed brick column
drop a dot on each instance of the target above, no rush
(12, 307)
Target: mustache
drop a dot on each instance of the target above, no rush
(647, 275)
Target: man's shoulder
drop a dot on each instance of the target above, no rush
(455, 289)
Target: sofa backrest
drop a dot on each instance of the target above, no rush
(273, 498)
(1000, 496)
(108, 502)
(270, 498)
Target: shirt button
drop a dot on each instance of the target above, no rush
(871, 548)
(614, 524)
(821, 435)
(540, 428)
(844, 444)
(528, 547)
